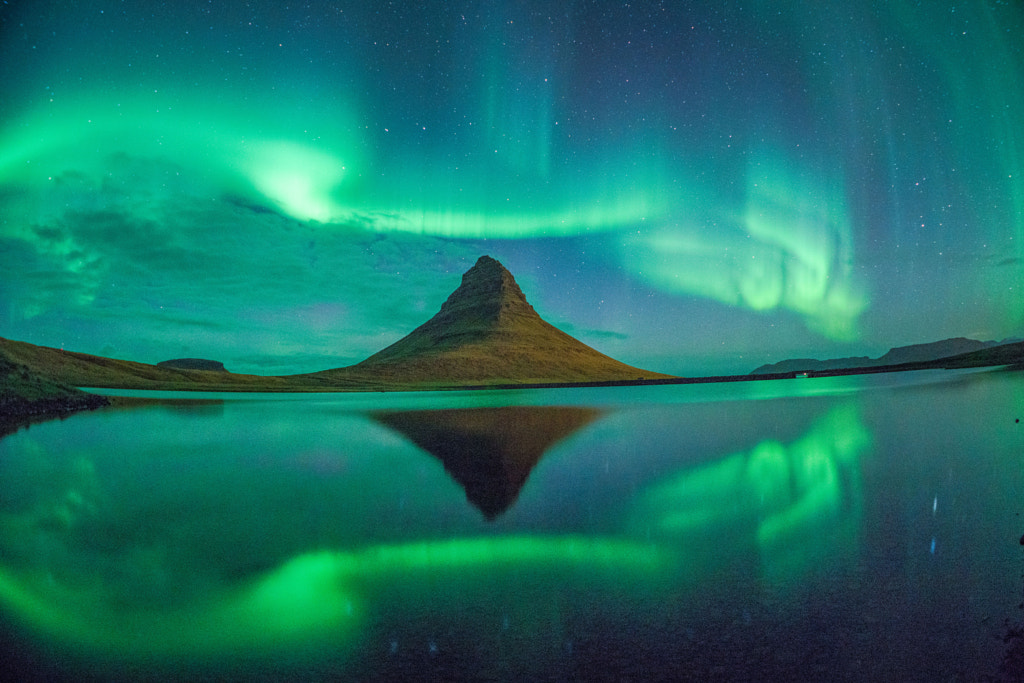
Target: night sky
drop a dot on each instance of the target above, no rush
(693, 188)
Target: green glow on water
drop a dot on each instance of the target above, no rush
(794, 503)
(798, 502)
(620, 554)
(310, 600)
(288, 610)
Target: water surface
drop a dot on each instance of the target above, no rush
(847, 528)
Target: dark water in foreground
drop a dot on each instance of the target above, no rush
(850, 528)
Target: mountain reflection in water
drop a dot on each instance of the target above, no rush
(489, 451)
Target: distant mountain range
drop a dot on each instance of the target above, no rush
(900, 355)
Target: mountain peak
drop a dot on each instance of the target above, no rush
(488, 295)
(487, 332)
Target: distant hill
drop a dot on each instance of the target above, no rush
(75, 369)
(487, 333)
(914, 353)
(1011, 354)
(192, 364)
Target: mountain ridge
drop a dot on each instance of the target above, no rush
(897, 355)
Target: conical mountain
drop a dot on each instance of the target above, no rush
(488, 333)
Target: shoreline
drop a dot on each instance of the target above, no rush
(54, 397)
(370, 388)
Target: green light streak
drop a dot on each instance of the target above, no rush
(297, 178)
(986, 74)
(325, 178)
(518, 98)
(556, 223)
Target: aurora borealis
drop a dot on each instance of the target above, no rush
(289, 187)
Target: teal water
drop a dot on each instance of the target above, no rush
(849, 528)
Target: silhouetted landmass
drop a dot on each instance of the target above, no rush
(192, 364)
(813, 365)
(1004, 354)
(914, 353)
(1011, 355)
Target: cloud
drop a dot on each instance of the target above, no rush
(591, 333)
(168, 265)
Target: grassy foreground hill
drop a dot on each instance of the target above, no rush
(25, 394)
(84, 370)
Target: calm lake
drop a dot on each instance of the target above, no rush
(847, 528)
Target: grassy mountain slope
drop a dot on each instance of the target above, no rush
(26, 394)
(85, 370)
(487, 333)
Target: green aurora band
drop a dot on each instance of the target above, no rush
(796, 252)
(853, 172)
(308, 180)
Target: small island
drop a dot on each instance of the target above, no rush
(193, 364)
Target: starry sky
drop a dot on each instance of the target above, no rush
(693, 188)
